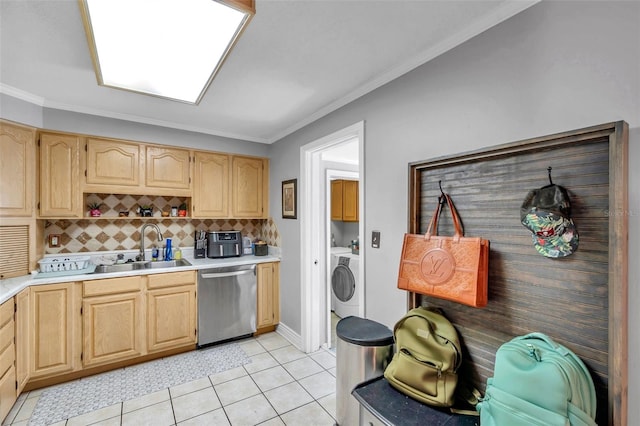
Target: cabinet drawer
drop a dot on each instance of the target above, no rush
(7, 357)
(111, 286)
(6, 334)
(6, 312)
(171, 279)
(8, 393)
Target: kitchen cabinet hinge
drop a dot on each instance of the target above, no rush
(85, 147)
(80, 311)
(81, 355)
(16, 384)
(38, 205)
(85, 173)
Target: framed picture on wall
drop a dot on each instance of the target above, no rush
(289, 199)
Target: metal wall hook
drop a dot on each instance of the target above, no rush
(441, 197)
(549, 172)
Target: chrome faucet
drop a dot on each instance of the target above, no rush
(140, 256)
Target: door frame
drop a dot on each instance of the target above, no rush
(314, 245)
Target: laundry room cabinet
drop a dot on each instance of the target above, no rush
(344, 200)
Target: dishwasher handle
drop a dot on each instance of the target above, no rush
(228, 274)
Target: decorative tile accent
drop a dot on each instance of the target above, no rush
(270, 233)
(111, 233)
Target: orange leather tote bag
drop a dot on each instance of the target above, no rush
(454, 267)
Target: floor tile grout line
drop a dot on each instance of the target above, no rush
(219, 400)
(278, 363)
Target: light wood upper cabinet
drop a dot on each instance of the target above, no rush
(113, 163)
(211, 185)
(336, 199)
(344, 200)
(17, 167)
(171, 310)
(268, 293)
(23, 353)
(249, 177)
(60, 194)
(350, 201)
(55, 329)
(113, 320)
(167, 168)
(230, 186)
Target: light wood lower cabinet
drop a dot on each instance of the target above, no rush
(77, 326)
(113, 320)
(171, 310)
(268, 309)
(8, 393)
(23, 352)
(55, 329)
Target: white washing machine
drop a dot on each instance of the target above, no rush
(345, 287)
(335, 253)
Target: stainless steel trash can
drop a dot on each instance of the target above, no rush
(364, 349)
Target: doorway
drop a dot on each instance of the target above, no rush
(315, 234)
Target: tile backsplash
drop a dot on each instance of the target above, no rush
(110, 232)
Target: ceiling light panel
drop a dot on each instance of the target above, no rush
(166, 48)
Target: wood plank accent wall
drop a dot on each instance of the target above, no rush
(579, 300)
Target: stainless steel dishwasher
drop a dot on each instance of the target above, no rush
(226, 303)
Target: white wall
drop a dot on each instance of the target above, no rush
(20, 111)
(66, 121)
(555, 67)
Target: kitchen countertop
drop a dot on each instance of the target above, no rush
(11, 286)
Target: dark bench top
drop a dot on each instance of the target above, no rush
(395, 408)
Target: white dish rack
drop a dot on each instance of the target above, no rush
(57, 264)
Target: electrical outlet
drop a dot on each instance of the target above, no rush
(375, 239)
(54, 240)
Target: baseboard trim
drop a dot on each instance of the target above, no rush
(290, 335)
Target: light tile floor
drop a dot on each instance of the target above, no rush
(281, 386)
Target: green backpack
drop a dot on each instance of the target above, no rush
(427, 358)
(538, 382)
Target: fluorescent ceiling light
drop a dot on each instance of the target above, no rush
(166, 48)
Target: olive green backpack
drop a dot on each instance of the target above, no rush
(427, 358)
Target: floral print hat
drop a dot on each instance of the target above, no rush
(546, 212)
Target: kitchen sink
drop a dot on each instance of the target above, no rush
(134, 266)
(167, 264)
